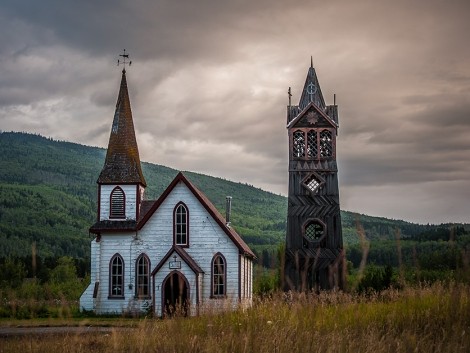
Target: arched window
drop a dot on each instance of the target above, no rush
(326, 144)
(117, 207)
(298, 144)
(312, 148)
(314, 230)
(181, 225)
(142, 277)
(116, 277)
(219, 277)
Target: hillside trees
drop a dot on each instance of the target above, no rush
(48, 202)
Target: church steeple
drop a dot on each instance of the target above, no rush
(311, 91)
(122, 164)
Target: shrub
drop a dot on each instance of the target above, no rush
(375, 278)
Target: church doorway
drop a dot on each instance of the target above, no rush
(175, 295)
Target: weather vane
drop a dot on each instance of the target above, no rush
(123, 61)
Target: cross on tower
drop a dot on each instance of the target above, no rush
(311, 89)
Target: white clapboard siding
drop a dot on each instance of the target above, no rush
(86, 299)
(130, 192)
(155, 239)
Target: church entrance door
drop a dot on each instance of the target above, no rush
(175, 295)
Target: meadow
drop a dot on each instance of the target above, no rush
(426, 318)
(408, 284)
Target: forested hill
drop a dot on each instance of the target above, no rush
(48, 198)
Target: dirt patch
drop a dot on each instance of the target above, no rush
(34, 331)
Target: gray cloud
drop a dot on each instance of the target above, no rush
(209, 80)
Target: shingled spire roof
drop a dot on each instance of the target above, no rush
(311, 91)
(122, 164)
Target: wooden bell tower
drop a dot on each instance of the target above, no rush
(314, 244)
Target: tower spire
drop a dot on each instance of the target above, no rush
(311, 91)
(122, 164)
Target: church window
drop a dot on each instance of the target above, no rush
(314, 230)
(181, 225)
(116, 277)
(218, 276)
(312, 148)
(313, 182)
(298, 144)
(142, 277)
(326, 144)
(118, 205)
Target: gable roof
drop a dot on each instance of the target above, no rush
(122, 163)
(318, 110)
(148, 208)
(184, 256)
(236, 239)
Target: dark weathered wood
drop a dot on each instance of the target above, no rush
(313, 262)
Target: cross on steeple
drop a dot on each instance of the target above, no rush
(311, 89)
(124, 62)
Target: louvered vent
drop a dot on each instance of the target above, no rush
(118, 207)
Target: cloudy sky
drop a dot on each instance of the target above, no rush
(209, 81)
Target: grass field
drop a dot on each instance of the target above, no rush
(426, 319)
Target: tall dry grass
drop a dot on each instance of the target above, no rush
(425, 319)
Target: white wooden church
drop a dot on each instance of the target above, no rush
(174, 254)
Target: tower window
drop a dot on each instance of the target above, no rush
(326, 143)
(314, 230)
(312, 148)
(181, 225)
(313, 182)
(117, 203)
(298, 144)
(218, 276)
(116, 277)
(142, 277)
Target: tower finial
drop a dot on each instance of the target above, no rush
(311, 61)
(124, 62)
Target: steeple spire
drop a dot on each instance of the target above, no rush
(122, 164)
(311, 91)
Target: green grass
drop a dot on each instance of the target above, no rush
(424, 319)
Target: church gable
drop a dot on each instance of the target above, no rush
(312, 117)
(182, 192)
(180, 254)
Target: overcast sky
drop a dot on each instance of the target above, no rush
(209, 80)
